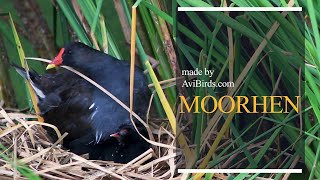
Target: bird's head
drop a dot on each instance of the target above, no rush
(71, 55)
(127, 134)
(121, 134)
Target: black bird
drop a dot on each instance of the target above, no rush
(95, 123)
(129, 145)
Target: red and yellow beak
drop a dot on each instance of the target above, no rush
(57, 61)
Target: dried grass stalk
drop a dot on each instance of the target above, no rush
(24, 143)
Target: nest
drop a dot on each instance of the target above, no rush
(27, 153)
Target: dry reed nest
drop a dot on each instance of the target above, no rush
(26, 150)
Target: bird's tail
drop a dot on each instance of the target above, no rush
(29, 76)
(21, 71)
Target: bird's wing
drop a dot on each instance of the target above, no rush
(106, 117)
(74, 109)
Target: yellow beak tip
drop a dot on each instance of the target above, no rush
(50, 66)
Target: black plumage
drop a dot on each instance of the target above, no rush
(85, 112)
(129, 146)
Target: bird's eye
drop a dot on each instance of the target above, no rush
(124, 132)
(68, 52)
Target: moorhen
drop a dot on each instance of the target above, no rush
(95, 123)
(126, 145)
